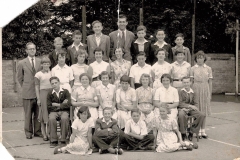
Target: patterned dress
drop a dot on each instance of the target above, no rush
(167, 140)
(201, 75)
(120, 70)
(80, 145)
(77, 71)
(145, 100)
(159, 70)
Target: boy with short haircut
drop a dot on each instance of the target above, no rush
(58, 43)
(107, 134)
(136, 133)
(63, 72)
(141, 45)
(126, 101)
(100, 40)
(179, 47)
(121, 38)
(58, 103)
(138, 69)
(72, 49)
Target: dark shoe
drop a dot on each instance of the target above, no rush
(56, 151)
(38, 135)
(189, 147)
(184, 137)
(120, 151)
(29, 137)
(53, 144)
(150, 148)
(205, 136)
(129, 148)
(190, 136)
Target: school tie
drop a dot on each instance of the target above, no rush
(123, 39)
(33, 68)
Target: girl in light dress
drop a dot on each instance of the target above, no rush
(119, 67)
(42, 87)
(79, 68)
(160, 67)
(166, 133)
(201, 76)
(81, 139)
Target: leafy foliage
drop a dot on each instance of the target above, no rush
(41, 23)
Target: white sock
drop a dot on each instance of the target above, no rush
(203, 131)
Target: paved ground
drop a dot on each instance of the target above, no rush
(223, 128)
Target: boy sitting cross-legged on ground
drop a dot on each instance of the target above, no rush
(107, 134)
(136, 134)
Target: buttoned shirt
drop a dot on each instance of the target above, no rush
(77, 47)
(57, 93)
(144, 95)
(98, 68)
(138, 128)
(160, 45)
(136, 71)
(65, 73)
(160, 69)
(180, 70)
(126, 97)
(77, 71)
(167, 95)
(141, 44)
(183, 49)
(107, 94)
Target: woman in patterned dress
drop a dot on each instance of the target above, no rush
(85, 95)
(166, 133)
(79, 68)
(119, 67)
(81, 138)
(160, 67)
(145, 101)
(201, 76)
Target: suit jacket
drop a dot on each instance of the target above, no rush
(135, 51)
(53, 58)
(127, 48)
(71, 54)
(186, 99)
(104, 45)
(25, 76)
(169, 56)
(103, 132)
(53, 98)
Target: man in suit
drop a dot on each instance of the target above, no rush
(71, 57)
(58, 103)
(26, 72)
(122, 38)
(98, 39)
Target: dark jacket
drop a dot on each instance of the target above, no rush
(169, 56)
(104, 133)
(186, 99)
(53, 98)
(135, 52)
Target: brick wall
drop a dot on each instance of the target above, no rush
(223, 66)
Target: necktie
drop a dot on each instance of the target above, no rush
(33, 68)
(123, 39)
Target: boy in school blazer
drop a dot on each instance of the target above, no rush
(122, 38)
(71, 57)
(98, 40)
(26, 72)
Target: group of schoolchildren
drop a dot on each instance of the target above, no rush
(122, 90)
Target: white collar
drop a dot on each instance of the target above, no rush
(138, 123)
(145, 65)
(204, 65)
(98, 36)
(190, 91)
(137, 41)
(80, 44)
(58, 91)
(108, 86)
(183, 47)
(176, 62)
(164, 43)
(88, 88)
(30, 58)
(108, 121)
(123, 31)
(148, 88)
(58, 67)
